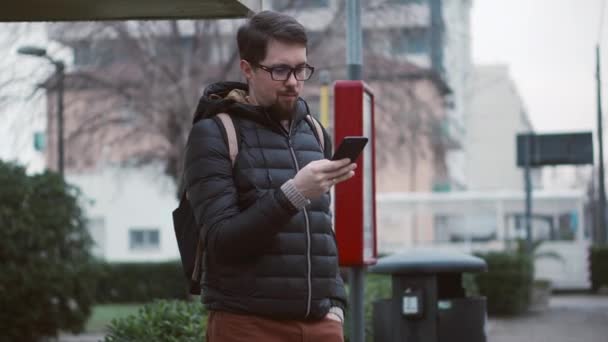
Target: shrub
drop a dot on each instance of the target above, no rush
(162, 321)
(377, 286)
(48, 275)
(139, 282)
(508, 282)
(599, 267)
(469, 284)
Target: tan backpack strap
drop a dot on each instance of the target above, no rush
(233, 145)
(319, 130)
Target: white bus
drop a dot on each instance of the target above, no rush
(482, 221)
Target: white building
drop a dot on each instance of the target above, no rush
(129, 213)
(497, 114)
(475, 221)
(458, 66)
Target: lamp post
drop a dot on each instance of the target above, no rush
(59, 76)
(602, 233)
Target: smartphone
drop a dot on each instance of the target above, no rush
(350, 148)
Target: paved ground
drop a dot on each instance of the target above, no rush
(81, 338)
(570, 318)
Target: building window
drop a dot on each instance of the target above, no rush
(97, 53)
(144, 239)
(407, 2)
(412, 41)
(461, 228)
(83, 54)
(566, 227)
(300, 4)
(541, 226)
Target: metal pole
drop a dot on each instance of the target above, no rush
(601, 234)
(528, 182)
(59, 68)
(356, 295)
(354, 60)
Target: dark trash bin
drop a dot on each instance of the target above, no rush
(428, 301)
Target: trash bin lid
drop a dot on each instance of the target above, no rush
(429, 261)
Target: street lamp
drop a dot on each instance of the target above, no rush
(59, 75)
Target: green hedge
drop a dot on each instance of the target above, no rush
(177, 320)
(47, 277)
(507, 284)
(141, 282)
(167, 321)
(377, 286)
(599, 267)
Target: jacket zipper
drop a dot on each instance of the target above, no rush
(308, 237)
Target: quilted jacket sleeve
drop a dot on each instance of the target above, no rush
(230, 233)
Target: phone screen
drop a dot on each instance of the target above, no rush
(351, 148)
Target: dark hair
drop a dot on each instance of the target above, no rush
(253, 37)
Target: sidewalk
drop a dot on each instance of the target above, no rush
(81, 338)
(570, 318)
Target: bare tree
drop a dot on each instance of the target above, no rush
(132, 92)
(135, 84)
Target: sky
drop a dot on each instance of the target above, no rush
(549, 46)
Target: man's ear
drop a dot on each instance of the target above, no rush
(246, 69)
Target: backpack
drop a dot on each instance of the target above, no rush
(190, 241)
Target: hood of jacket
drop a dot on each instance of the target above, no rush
(232, 98)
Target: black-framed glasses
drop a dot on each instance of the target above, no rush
(283, 72)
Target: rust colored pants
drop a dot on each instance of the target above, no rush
(228, 327)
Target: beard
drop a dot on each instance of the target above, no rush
(282, 108)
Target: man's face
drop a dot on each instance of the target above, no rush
(280, 96)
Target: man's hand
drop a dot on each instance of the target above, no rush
(333, 317)
(319, 176)
(335, 314)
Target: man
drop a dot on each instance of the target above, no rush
(270, 265)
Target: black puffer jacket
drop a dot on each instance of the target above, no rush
(263, 256)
